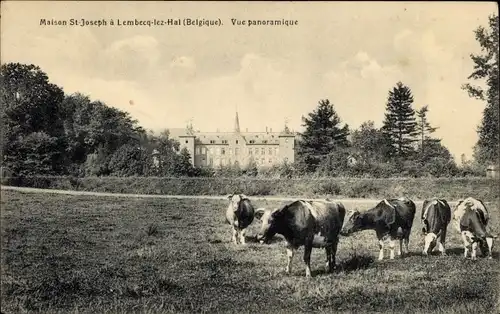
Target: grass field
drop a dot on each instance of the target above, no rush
(86, 254)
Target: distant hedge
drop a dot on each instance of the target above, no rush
(415, 188)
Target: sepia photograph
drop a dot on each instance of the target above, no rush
(249, 157)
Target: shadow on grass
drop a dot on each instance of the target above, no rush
(459, 251)
(253, 239)
(355, 262)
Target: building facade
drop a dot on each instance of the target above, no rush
(214, 149)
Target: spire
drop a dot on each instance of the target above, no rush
(237, 124)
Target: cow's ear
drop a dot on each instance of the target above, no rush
(259, 212)
(229, 196)
(243, 196)
(276, 212)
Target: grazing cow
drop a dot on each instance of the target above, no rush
(391, 219)
(436, 215)
(239, 214)
(472, 218)
(304, 223)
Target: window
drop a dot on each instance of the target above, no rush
(198, 150)
(264, 141)
(212, 142)
(250, 151)
(252, 141)
(276, 150)
(286, 140)
(218, 151)
(236, 151)
(236, 141)
(270, 151)
(211, 150)
(263, 151)
(270, 160)
(223, 151)
(203, 150)
(187, 141)
(224, 141)
(211, 162)
(263, 160)
(256, 151)
(230, 151)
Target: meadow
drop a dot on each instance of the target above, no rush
(85, 254)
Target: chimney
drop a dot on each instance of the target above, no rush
(266, 129)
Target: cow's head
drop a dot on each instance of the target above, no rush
(234, 201)
(271, 220)
(352, 223)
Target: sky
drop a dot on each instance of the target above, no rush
(351, 53)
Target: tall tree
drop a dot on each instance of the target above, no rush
(31, 121)
(486, 69)
(400, 125)
(424, 128)
(322, 134)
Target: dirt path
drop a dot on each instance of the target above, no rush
(212, 197)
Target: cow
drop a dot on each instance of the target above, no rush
(304, 223)
(391, 219)
(240, 214)
(435, 217)
(471, 216)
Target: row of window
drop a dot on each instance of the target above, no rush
(229, 151)
(224, 162)
(251, 141)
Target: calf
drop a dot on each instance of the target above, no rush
(239, 214)
(472, 218)
(304, 223)
(391, 219)
(436, 215)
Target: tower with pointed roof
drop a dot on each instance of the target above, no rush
(237, 124)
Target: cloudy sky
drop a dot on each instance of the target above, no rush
(349, 53)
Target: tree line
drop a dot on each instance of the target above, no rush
(46, 132)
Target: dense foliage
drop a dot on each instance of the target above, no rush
(486, 70)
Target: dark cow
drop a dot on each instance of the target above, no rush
(391, 219)
(304, 223)
(436, 216)
(472, 218)
(239, 214)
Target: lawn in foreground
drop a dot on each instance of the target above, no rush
(87, 254)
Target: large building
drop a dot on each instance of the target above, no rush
(213, 149)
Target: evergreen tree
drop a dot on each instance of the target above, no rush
(322, 135)
(486, 68)
(182, 165)
(400, 126)
(424, 128)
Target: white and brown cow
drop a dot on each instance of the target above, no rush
(472, 217)
(240, 214)
(304, 223)
(436, 216)
(391, 219)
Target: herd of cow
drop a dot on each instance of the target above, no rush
(319, 224)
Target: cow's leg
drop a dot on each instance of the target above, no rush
(466, 245)
(442, 239)
(307, 257)
(473, 250)
(334, 254)
(381, 248)
(328, 251)
(235, 235)
(290, 250)
(242, 236)
(489, 242)
(392, 246)
(400, 253)
(406, 241)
